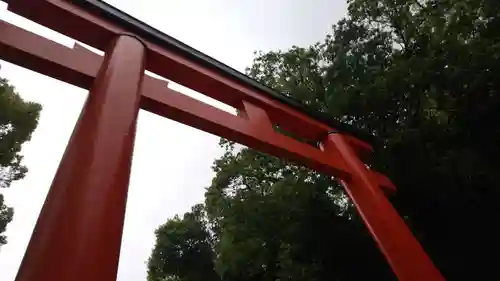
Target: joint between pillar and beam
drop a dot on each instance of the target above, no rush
(144, 44)
(380, 179)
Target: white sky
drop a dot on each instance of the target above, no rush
(171, 165)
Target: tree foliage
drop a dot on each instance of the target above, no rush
(6, 214)
(18, 120)
(421, 77)
(183, 250)
(274, 220)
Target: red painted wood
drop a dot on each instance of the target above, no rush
(96, 32)
(87, 165)
(405, 255)
(79, 66)
(244, 129)
(78, 233)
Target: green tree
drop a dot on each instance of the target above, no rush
(183, 250)
(18, 120)
(274, 220)
(419, 76)
(6, 214)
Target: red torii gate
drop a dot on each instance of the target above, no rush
(78, 233)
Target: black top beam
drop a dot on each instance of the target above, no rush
(153, 35)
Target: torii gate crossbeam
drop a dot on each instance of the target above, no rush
(78, 233)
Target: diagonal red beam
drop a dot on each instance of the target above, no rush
(179, 69)
(403, 252)
(168, 103)
(79, 66)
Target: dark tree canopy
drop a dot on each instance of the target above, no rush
(183, 250)
(421, 77)
(18, 120)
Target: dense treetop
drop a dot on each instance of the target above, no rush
(422, 78)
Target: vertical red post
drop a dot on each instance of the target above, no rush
(78, 233)
(403, 252)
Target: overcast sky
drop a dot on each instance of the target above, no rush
(171, 164)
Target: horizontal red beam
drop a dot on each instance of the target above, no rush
(166, 63)
(79, 66)
(168, 103)
(159, 99)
